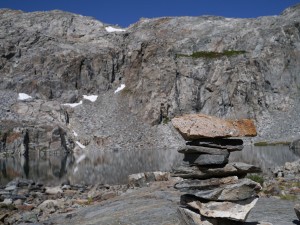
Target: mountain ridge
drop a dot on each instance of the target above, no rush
(57, 57)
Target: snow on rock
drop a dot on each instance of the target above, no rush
(80, 145)
(82, 157)
(92, 98)
(23, 96)
(112, 29)
(73, 104)
(120, 88)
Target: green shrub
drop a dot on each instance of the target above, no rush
(256, 178)
(166, 120)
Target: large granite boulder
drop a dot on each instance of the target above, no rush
(197, 126)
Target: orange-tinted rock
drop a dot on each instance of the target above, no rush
(197, 126)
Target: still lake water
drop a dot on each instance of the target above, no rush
(113, 167)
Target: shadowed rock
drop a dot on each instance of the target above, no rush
(196, 126)
(297, 210)
(206, 159)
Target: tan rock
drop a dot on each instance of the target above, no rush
(197, 126)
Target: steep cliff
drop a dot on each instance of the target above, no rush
(231, 68)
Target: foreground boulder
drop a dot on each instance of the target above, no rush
(197, 126)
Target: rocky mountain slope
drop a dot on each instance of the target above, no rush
(231, 68)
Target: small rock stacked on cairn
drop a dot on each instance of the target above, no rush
(216, 191)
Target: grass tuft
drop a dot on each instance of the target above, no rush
(212, 55)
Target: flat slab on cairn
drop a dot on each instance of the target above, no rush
(197, 126)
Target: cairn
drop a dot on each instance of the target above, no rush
(215, 191)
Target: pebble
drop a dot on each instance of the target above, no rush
(10, 188)
(53, 190)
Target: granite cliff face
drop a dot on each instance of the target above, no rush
(57, 57)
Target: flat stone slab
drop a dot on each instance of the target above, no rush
(190, 149)
(206, 159)
(241, 189)
(230, 169)
(204, 184)
(220, 143)
(197, 126)
(226, 210)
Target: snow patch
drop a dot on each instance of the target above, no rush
(75, 169)
(73, 104)
(120, 88)
(75, 134)
(112, 29)
(80, 145)
(82, 157)
(23, 96)
(92, 98)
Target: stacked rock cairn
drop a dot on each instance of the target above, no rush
(214, 191)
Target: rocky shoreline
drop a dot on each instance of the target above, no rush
(27, 202)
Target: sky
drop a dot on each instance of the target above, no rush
(126, 12)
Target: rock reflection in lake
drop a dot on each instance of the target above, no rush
(266, 157)
(88, 167)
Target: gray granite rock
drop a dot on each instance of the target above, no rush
(230, 169)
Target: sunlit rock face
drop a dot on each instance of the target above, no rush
(143, 76)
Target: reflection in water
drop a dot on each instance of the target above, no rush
(266, 157)
(113, 167)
